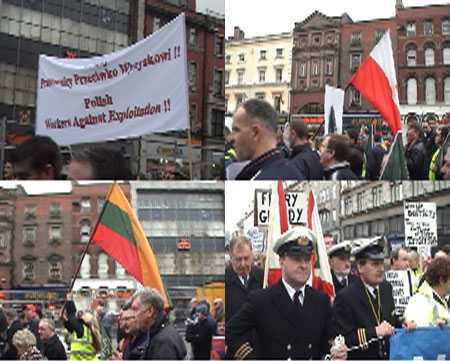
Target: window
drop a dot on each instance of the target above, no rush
(240, 76)
(196, 126)
(355, 39)
(156, 24)
(447, 90)
(227, 77)
(379, 33)
(54, 234)
(411, 29)
(446, 26)
(316, 40)
(355, 97)
(278, 75)
(193, 37)
(329, 67)
(430, 91)
(411, 91)
(218, 45)
(30, 212)
(428, 28)
(3, 241)
(240, 98)
(100, 204)
(315, 69)
(302, 70)
(355, 61)
(55, 210)
(28, 271)
(241, 57)
(85, 269)
(279, 52)
(120, 271)
(446, 55)
(103, 266)
(218, 82)
(262, 54)
(277, 103)
(228, 59)
(85, 231)
(262, 75)
(54, 271)
(29, 235)
(193, 76)
(260, 96)
(85, 205)
(411, 57)
(429, 57)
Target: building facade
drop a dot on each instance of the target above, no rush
(206, 52)
(424, 61)
(258, 67)
(70, 29)
(172, 213)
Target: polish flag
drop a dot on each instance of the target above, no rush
(376, 80)
(278, 224)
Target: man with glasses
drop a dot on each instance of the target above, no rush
(292, 320)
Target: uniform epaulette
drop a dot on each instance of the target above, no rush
(243, 351)
(362, 338)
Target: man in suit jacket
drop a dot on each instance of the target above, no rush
(292, 320)
(364, 311)
(339, 256)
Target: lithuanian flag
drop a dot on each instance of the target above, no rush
(119, 233)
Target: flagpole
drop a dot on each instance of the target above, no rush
(72, 283)
(273, 195)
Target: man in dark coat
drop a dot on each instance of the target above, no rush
(52, 348)
(292, 320)
(364, 311)
(339, 257)
(164, 342)
(415, 153)
(334, 153)
(306, 160)
(254, 136)
(200, 332)
(241, 276)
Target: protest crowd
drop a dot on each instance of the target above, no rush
(142, 329)
(257, 149)
(293, 317)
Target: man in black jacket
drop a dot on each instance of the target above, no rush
(303, 157)
(52, 348)
(334, 152)
(200, 332)
(415, 153)
(364, 311)
(164, 342)
(339, 257)
(254, 136)
(292, 320)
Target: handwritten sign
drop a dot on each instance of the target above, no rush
(401, 289)
(420, 224)
(138, 90)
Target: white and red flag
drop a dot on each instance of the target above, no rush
(376, 80)
(278, 224)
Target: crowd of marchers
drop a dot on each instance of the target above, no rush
(289, 319)
(256, 148)
(143, 329)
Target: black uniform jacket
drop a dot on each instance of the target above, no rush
(338, 285)
(283, 332)
(354, 319)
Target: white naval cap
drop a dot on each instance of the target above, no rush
(297, 240)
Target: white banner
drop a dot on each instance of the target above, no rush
(420, 224)
(401, 288)
(138, 90)
(334, 97)
(296, 203)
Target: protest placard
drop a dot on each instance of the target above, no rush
(401, 289)
(420, 224)
(296, 204)
(138, 90)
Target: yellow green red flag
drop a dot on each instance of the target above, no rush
(119, 233)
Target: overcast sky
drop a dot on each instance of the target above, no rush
(264, 17)
(215, 5)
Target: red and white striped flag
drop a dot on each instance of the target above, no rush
(377, 81)
(278, 224)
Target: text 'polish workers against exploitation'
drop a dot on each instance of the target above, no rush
(138, 90)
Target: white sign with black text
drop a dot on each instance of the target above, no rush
(420, 224)
(401, 289)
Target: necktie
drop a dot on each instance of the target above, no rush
(297, 295)
(244, 281)
(345, 281)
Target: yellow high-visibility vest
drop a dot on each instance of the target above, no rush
(82, 348)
